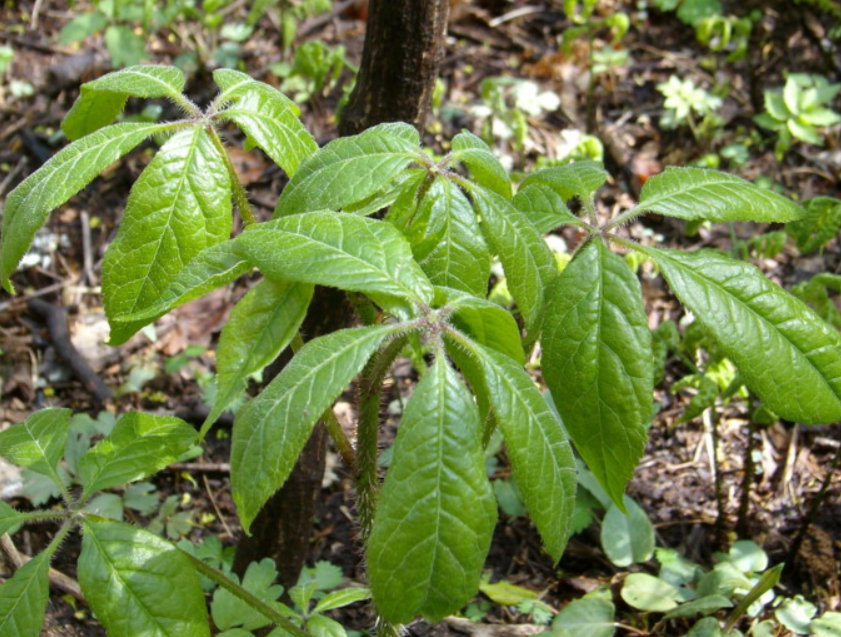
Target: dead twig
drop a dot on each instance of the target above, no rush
(55, 319)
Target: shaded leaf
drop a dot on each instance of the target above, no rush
(484, 166)
(648, 593)
(138, 583)
(229, 611)
(587, 617)
(627, 538)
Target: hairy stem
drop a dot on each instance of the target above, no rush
(370, 396)
(747, 480)
(245, 595)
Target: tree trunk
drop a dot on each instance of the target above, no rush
(404, 45)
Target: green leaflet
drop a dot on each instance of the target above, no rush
(213, 267)
(268, 118)
(540, 454)
(698, 193)
(139, 445)
(10, 518)
(488, 324)
(484, 166)
(597, 362)
(785, 353)
(65, 174)
(261, 325)
(451, 249)
(580, 179)
(820, 223)
(627, 538)
(529, 264)
(139, 584)
(38, 442)
(433, 527)
(271, 430)
(338, 250)
(23, 598)
(544, 207)
(350, 169)
(180, 205)
(101, 101)
(586, 617)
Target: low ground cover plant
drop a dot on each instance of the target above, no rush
(420, 278)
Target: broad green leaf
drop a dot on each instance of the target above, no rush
(796, 614)
(702, 606)
(541, 457)
(488, 324)
(484, 166)
(229, 610)
(747, 556)
(699, 193)
(648, 593)
(270, 431)
(101, 101)
(213, 267)
(451, 249)
(10, 518)
(341, 598)
(321, 626)
(587, 617)
(544, 207)
(139, 584)
(338, 250)
(528, 262)
(580, 179)
(38, 442)
(350, 169)
(23, 598)
(140, 445)
(821, 223)
(627, 538)
(433, 527)
(268, 118)
(506, 594)
(706, 627)
(784, 351)
(260, 327)
(827, 625)
(65, 174)
(180, 205)
(597, 362)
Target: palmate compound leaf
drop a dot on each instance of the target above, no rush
(139, 445)
(350, 169)
(23, 598)
(544, 207)
(784, 351)
(270, 431)
(139, 584)
(260, 326)
(699, 193)
(528, 262)
(213, 267)
(540, 454)
(65, 174)
(580, 179)
(447, 242)
(338, 250)
(597, 362)
(38, 442)
(433, 527)
(484, 166)
(101, 101)
(268, 118)
(180, 205)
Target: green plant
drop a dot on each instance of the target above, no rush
(819, 225)
(315, 71)
(799, 110)
(684, 102)
(420, 278)
(691, 12)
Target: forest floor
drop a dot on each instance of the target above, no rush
(675, 482)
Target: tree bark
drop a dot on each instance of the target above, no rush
(403, 49)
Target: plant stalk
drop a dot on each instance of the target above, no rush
(240, 196)
(747, 481)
